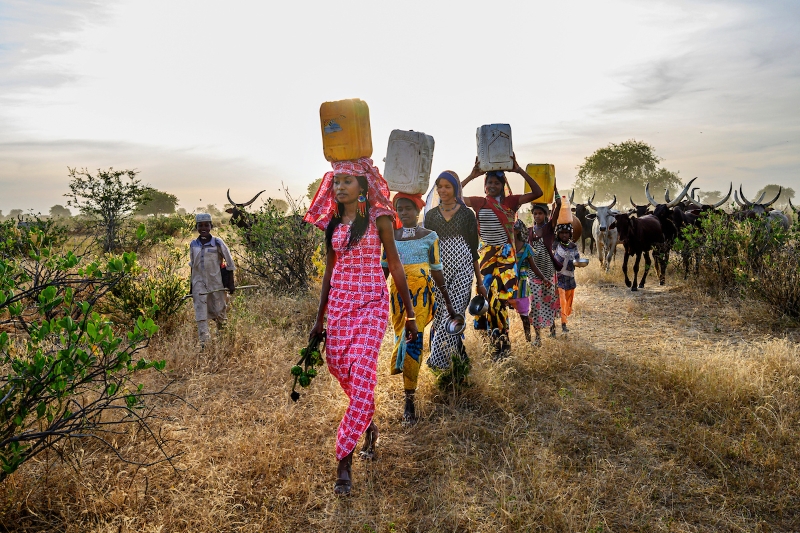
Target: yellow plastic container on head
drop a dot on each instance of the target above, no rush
(545, 176)
(346, 133)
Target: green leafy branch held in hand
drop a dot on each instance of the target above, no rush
(305, 370)
(65, 371)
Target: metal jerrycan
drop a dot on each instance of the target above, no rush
(495, 150)
(409, 157)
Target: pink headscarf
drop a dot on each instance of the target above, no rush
(324, 203)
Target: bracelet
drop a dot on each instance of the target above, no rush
(412, 319)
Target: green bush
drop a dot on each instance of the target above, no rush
(754, 257)
(279, 248)
(65, 371)
(155, 288)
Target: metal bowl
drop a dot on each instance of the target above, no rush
(582, 262)
(478, 306)
(456, 325)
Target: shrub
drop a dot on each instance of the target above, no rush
(753, 257)
(65, 371)
(279, 248)
(155, 287)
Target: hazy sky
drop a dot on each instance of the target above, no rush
(201, 96)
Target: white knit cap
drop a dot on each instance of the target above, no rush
(202, 217)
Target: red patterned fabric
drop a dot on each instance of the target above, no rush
(358, 313)
(324, 202)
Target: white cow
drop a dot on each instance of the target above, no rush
(606, 239)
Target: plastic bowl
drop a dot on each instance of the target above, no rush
(581, 262)
(456, 325)
(478, 306)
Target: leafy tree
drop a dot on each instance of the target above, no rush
(15, 213)
(160, 202)
(59, 211)
(313, 188)
(280, 205)
(623, 170)
(771, 190)
(110, 198)
(709, 197)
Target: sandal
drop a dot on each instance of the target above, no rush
(369, 450)
(342, 487)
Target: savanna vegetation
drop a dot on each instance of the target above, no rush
(676, 408)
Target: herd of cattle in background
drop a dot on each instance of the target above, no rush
(657, 226)
(639, 230)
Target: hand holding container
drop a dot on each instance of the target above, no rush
(494, 147)
(409, 157)
(346, 133)
(545, 176)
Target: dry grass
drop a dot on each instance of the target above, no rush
(664, 410)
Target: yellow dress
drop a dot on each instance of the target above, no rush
(419, 258)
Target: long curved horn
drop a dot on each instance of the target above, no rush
(742, 196)
(632, 202)
(613, 202)
(691, 196)
(571, 196)
(722, 202)
(229, 198)
(666, 196)
(793, 208)
(589, 201)
(683, 193)
(650, 196)
(736, 198)
(694, 202)
(253, 199)
(780, 190)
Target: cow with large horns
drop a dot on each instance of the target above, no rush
(605, 237)
(711, 207)
(672, 222)
(757, 209)
(579, 213)
(240, 217)
(638, 235)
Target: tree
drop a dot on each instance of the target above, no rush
(59, 211)
(280, 205)
(709, 197)
(110, 198)
(623, 170)
(313, 188)
(15, 213)
(771, 190)
(160, 202)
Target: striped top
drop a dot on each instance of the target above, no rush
(491, 230)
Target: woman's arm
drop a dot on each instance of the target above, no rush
(476, 171)
(438, 278)
(386, 233)
(479, 288)
(554, 215)
(536, 191)
(330, 262)
(537, 271)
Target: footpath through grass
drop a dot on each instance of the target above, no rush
(662, 411)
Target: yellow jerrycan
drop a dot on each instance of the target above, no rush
(346, 133)
(545, 176)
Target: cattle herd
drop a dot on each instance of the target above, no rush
(658, 226)
(640, 230)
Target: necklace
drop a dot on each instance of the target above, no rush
(446, 209)
(409, 233)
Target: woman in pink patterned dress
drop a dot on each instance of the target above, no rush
(352, 206)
